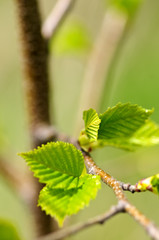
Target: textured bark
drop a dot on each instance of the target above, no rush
(35, 63)
(35, 60)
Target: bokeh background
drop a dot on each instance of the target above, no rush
(134, 77)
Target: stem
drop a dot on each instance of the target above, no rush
(35, 62)
(129, 187)
(105, 177)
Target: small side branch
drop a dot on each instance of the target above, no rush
(121, 207)
(79, 227)
(105, 177)
(129, 187)
(149, 227)
(56, 17)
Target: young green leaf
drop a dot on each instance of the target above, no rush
(68, 188)
(147, 135)
(92, 122)
(8, 231)
(151, 184)
(121, 121)
(57, 164)
(60, 203)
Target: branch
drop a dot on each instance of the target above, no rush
(105, 177)
(35, 62)
(56, 17)
(79, 227)
(35, 55)
(149, 227)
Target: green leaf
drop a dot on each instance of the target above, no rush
(127, 6)
(92, 122)
(122, 121)
(60, 203)
(57, 164)
(8, 231)
(147, 135)
(150, 183)
(71, 38)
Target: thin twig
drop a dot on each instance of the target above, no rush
(102, 54)
(129, 187)
(56, 17)
(149, 227)
(105, 177)
(79, 227)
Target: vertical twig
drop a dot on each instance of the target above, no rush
(36, 85)
(56, 17)
(100, 59)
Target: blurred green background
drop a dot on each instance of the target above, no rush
(133, 78)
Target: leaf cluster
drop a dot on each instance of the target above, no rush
(125, 126)
(68, 187)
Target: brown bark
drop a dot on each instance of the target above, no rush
(36, 85)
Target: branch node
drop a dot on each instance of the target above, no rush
(44, 133)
